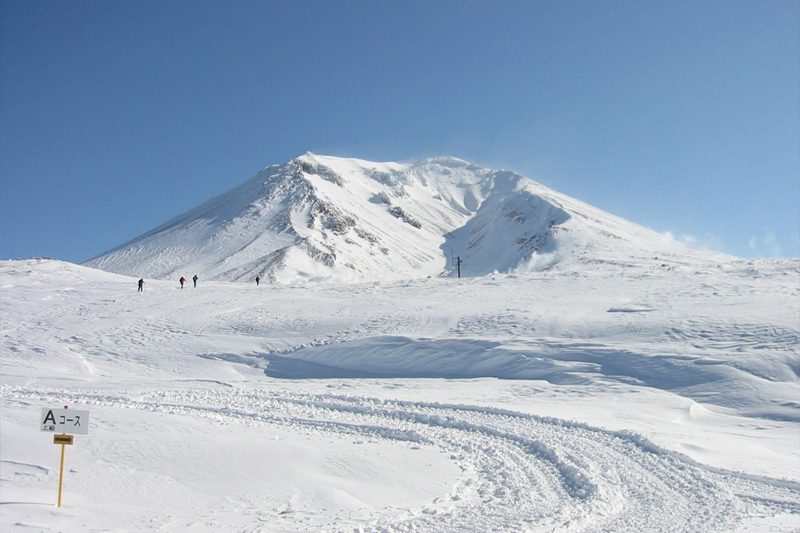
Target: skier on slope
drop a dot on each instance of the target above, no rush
(257, 280)
(141, 285)
(182, 280)
(194, 279)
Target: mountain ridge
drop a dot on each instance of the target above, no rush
(324, 218)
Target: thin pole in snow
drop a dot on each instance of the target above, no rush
(61, 473)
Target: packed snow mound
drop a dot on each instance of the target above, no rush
(320, 218)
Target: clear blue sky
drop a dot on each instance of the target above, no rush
(682, 116)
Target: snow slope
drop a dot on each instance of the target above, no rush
(347, 220)
(623, 397)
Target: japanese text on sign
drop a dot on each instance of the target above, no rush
(65, 421)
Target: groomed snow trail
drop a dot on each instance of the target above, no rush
(518, 472)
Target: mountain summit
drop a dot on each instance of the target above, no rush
(332, 219)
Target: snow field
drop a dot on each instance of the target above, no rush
(633, 398)
(517, 472)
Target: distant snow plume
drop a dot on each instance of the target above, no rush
(320, 218)
(691, 240)
(538, 262)
(765, 245)
(706, 241)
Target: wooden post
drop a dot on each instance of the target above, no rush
(61, 473)
(64, 439)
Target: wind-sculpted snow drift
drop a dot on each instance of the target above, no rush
(327, 218)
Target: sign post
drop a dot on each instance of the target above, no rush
(64, 422)
(61, 470)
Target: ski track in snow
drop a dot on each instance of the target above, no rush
(518, 472)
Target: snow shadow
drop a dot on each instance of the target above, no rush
(289, 368)
(405, 357)
(561, 363)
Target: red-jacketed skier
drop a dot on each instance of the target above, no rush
(182, 280)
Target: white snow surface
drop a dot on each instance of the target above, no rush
(626, 394)
(322, 218)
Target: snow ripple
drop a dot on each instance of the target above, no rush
(519, 472)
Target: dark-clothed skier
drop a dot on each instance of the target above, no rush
(257, 280)
(195, 278)
(141, 285)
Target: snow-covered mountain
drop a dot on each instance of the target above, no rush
(328, 218)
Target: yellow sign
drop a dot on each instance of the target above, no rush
(63, 439)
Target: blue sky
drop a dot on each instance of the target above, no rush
(682, 116)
